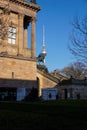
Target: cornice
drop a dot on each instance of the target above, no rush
(29, 5)
(19, 57)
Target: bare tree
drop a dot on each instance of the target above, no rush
(78, 44)
(4, 19)
(77, 70)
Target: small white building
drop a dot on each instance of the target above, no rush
(49, 93)
(73, 89)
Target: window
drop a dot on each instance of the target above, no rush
(11, 35)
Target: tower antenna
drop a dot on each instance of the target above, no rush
(42, 55)
(43, 36)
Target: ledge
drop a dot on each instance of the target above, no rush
(20, 57)
(27, 4)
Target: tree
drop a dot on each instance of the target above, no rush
(32, 96)
(78, 44)
(4, 19)
(77, 70)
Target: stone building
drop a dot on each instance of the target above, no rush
(17, 61)
(18, 64)
(72, 89)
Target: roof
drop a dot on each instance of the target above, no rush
(48, 75)
(54, 77)
(73, 81)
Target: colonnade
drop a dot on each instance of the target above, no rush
(23, 33)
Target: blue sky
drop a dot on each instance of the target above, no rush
(57, 17)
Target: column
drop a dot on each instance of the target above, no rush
(20, 33)
(33, 37)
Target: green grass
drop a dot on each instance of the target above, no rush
(47, 115)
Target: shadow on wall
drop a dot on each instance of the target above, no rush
(14, 89)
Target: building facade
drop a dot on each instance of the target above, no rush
(72, 89)
(17, 60)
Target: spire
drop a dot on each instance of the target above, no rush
(42, 55)
(43, 43)
(43, 36)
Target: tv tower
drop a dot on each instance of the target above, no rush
(42, 55)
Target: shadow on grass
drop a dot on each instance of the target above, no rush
(56, 115)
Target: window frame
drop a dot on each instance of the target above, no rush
(12, 35)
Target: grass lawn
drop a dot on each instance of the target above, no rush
(47, 115)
